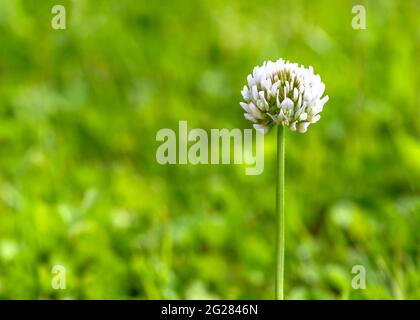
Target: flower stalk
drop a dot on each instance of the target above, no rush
(280, 214)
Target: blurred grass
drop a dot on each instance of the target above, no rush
(80, 186)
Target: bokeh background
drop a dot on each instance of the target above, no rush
(80, 186)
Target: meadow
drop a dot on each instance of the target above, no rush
(80, 186)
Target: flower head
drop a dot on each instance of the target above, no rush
(283, 93)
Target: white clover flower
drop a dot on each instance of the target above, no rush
(283, 93)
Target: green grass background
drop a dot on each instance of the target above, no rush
(80, 186)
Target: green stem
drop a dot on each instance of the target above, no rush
(280, 214)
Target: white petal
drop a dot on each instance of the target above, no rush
(303, 116)
(266, 84)
(321, 90)
(317, 108)
(257, 74)
(287, 104)
(264, 102)
(256, 113)
(307, 95)
(244, 106)
(261, 127)
(303, 126)
(315, 118)
(325, 99)
(295, 94)
(278, 100)
(254, 92)
(299, 101)
(250, 117)
(251, 80)
(245, 93)
(274, 88)
(282, 118)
